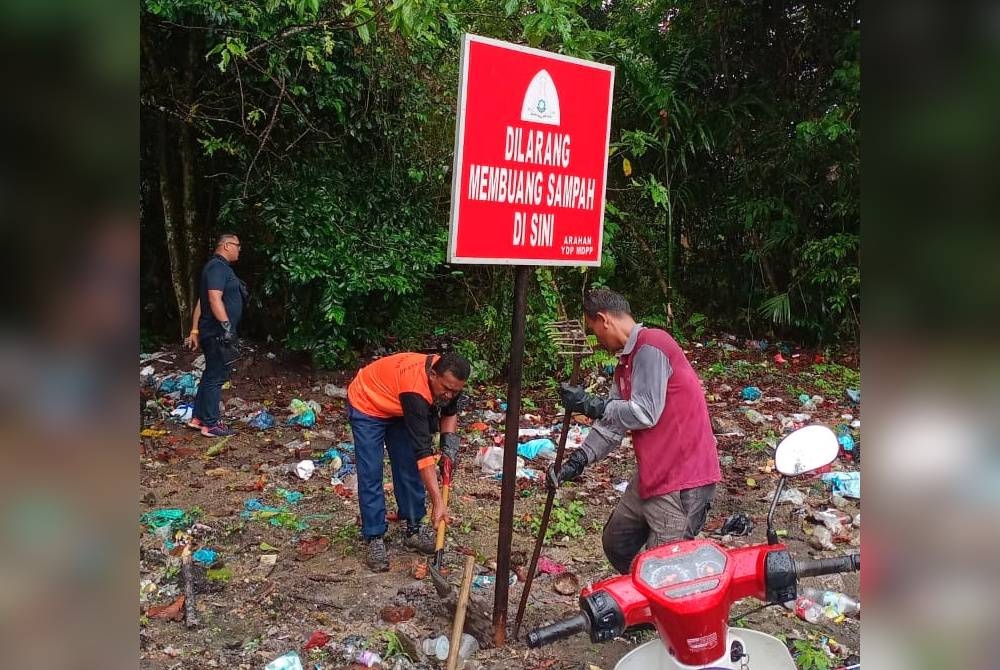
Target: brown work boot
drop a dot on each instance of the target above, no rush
(378, 555)
(423, 539)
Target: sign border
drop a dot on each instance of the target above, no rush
(459, 162)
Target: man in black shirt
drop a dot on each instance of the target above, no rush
(214, 329)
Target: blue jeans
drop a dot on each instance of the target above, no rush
(371, 437)
(206, 401)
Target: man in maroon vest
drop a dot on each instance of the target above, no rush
(657, 396)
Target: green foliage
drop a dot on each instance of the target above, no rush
(808, 657)
(564, 521)
(324, 133)
(834, 379)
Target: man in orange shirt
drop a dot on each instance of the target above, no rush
(398, 403)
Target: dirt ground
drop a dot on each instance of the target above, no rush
(251, 611)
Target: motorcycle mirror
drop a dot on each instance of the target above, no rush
(806, 449)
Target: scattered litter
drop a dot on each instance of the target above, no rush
(204, 556)
(217, 448)
(621, 487)
(779, 359)
(822, 538)
(262, 420)
(223, 574)
(792, 495)
(291, 497)
(304, 469)
(183, 413)
(332, 457)
(494, 417)
(397, 614)
(438, 647)
(335, 391)
(853, 395)
(847, 484)
(174, 610)
(810, 403)
(830, 519)
(543, 447)
(751, 393)
(577, 434)
(147, 371)
(738, 524)
(316, 640)
(482, 581)
(302, 414)
(548, 566)
(534, 432)
(289, 661)
(152, 432)
(172, 519)
(490, 460)
(185, 384)
(753, 416)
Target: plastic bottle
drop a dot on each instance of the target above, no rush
(482, 581)
(438, 646)
(835, 602)
(806, 609)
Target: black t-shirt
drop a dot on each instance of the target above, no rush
(218, 275)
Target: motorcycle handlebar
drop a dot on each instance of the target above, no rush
(827, 566)
(577, 623)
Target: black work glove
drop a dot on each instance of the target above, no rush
(575, 399)
(229, 343)
(571, 468)
(449, 449)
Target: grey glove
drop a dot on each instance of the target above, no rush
(575, 399)
(449, 447)
(571, 468)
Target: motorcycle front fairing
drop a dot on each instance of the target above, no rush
(685, 589)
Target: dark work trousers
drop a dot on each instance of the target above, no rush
(206, 402)
(372, 436)
(635, 522)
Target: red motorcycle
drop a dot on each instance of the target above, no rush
(685, 589)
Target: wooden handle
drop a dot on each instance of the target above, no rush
(463, 603)
(439, 544)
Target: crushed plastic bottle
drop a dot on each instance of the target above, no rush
(834, 603)
(349, 651)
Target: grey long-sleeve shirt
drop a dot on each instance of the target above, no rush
(650, 372)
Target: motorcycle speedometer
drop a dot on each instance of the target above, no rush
(678, 573)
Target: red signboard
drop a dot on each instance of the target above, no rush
(531, 156)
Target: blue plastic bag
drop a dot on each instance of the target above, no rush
(262, 420)
(854, 395)
(751, 393)
(204, 556)
(538, 447)
(846, 484)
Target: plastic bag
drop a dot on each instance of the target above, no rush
(262, 420)
(542, 447)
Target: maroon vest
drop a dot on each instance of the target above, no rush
(679, 451)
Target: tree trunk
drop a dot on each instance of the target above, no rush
(190, 219)
(170, 223)
(189, 196)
